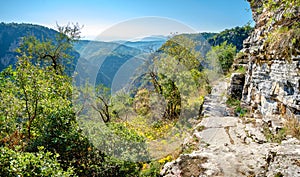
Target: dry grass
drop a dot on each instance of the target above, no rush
(292, 126)
(283, 42)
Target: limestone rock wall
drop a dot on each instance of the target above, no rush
(272, 82)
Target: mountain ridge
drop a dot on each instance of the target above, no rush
(116, 53)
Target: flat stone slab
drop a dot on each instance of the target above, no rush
(233, 148)
(214, 136)
(218, 122)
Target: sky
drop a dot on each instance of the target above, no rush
(100, 16)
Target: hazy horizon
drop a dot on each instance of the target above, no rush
(99, 16)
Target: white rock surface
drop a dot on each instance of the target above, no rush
(228, 147)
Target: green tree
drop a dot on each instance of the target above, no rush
(36, 110)
(48, 52)
(182, 49)
(221, 57)
(43, 86)
(234, 36)
(15, 163)
(174, 72)
(103, 103)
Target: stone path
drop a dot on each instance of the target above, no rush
(226, 146)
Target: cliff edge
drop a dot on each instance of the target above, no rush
(272, 56)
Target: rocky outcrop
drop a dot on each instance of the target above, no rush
(237, 82)
(273, 78)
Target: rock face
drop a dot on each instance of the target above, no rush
(273, 80)
(237, 82)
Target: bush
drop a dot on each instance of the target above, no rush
(221, 57)
(13, 163)
(232, 102)
(236, 105)
(116, 140)
(62, 135)
(151, 169)
(274, 137)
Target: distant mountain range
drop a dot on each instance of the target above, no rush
(106, 58)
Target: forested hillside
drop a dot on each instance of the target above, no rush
(10, 37)
(234, 36)
(115, 54)
(54, 121)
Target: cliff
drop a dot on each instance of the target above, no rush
(272, 56)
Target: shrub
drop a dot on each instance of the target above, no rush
(233, 102)
(151, 169)
(14, 163)
(236, 105)
(222, 57)
(62, 135)
(274, 137)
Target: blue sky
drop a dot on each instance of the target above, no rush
(100, 15)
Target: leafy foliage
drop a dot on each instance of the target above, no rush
(14, 163)
(177, 79)
(234, 36)
(36, 111)
(223, 55)
(286, 4)
(151, 169)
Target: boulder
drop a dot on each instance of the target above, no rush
(237, 82)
